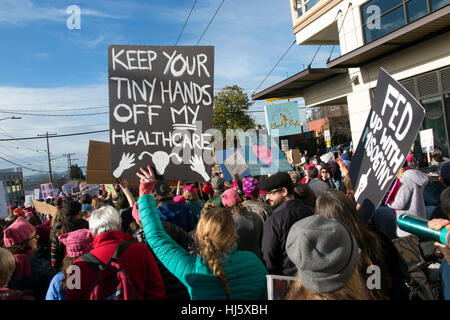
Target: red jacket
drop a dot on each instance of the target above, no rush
(137, 260)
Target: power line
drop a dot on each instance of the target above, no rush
(53, 110)
(293, 42)
(21, 166)
(54, 115)
(61, 135)
(210, 22)
(186, 22)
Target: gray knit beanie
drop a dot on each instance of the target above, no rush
(324, 251)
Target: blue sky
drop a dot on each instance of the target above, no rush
(46, 67)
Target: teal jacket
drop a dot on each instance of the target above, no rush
(245, 273)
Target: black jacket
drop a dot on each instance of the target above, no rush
(276, 230)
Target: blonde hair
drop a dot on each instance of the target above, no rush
(7, 266)
(190, 195)
(295, 176)
(215, 235)
(56, 219)
(354, 289)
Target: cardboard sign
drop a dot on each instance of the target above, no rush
(161, 106)
(282, 119)
(98, 167)
(47, 190)
(45, 208)
(231, 162)
(262, 153)
(390, 130)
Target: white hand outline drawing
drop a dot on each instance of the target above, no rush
(362, 184)
(126, 162)
(160, 159)
(198, 166)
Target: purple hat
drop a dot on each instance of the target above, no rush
(250, 186)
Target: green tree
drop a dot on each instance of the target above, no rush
(230, 105)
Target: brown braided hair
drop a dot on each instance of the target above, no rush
(215, 235)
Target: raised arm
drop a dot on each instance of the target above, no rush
(174, 257)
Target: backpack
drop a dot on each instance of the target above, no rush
(112, 281)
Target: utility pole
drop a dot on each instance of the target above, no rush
(48, 153)
(69, 165)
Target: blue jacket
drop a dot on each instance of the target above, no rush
(55, 291)
(176, 214)
(245, 273)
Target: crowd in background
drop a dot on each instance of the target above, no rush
(220, 239)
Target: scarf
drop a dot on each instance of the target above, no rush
(23, 268)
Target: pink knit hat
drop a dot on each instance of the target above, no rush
(250, 186)
(179, 199)
(410, 157)
(77, 242)
(135, 212)
(230, 197)
(19, 231)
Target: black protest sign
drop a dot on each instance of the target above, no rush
(161, 107)
(390, 130)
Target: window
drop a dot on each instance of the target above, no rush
(304, 5)
(437, 4)
(416, 9)
(433, 91)
(381, 17)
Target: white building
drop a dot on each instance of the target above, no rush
(410, 39)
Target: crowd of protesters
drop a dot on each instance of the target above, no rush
(220, 239)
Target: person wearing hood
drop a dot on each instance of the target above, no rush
(172, 211)
(410, 198)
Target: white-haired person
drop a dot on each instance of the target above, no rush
(136, 260)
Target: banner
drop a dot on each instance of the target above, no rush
(37, 194)
(67, 188)
(284, 117)
(262, 153)
(426, 140)
(231, 162)
(47, 190)
(390, 130)
(161, 106)
(28, 201)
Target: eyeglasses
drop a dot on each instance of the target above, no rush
(271, 193)
(34, 237)
(323, 171)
